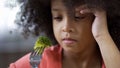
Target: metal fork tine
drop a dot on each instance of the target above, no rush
(33, 53)
(37, 50)
(41, 49)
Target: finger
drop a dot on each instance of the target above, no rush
(85, 11)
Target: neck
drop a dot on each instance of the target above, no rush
(83, 57)
(89, 58)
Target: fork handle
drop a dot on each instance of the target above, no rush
(34, 67)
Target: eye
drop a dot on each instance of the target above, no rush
(58, 18)
(79, 18)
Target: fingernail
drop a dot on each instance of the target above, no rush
(82, 12)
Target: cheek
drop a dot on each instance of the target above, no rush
(56, 30)
(56, 33)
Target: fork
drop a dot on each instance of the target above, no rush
(36, 55)
(35, 58)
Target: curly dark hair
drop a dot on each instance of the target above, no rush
(36, 16)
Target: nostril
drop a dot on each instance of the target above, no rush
(67, 29)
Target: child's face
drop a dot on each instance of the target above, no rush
(72, 29)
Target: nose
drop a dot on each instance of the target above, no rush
(68, 26)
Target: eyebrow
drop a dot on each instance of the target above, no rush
(55, 9)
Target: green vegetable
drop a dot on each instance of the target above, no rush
(41, 43)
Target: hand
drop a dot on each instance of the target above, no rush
(99, 26)
(109, 51)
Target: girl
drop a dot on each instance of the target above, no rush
(85, 33)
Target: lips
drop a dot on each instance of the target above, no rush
(68, 41)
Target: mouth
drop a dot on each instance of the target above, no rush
(69, 41)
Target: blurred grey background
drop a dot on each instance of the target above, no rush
(12, 44)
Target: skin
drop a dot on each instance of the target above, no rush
(78, 34)
(110, 52)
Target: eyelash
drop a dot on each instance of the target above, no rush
(57, 18)
(76, 18)
(79, 17)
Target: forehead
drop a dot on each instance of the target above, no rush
(57, 4)
(70, 7)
